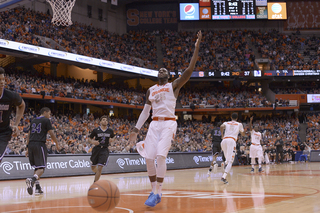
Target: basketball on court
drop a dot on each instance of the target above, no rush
(103, 195)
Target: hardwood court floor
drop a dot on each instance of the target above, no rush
(281, 188)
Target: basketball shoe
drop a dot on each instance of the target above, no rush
(30, 183)
(224, 180)
(38, 190)
(153, 200)
(252, 170)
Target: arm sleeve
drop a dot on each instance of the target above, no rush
(143, 116)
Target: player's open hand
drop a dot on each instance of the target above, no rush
(95, 142)
(132, 138)
(198, 39)
(15, 131)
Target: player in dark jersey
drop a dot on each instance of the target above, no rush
(216, 147)
(8, 99)
(100, 137)
(37, 150)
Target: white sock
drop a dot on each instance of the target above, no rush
(159, 188)
(36, 176)
(224, 175)
(154, 186)
(252, 166)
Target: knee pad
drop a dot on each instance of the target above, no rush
(161, 166)
(151, 167)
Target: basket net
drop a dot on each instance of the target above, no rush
(61, 11)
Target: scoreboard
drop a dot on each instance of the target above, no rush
(232, 10)
(251, 74)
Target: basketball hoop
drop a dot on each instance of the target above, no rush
(61, 11)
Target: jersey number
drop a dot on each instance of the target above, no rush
(103, 140)
(35, 128)
(217, 132)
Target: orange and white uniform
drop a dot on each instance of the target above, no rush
(163, 127)
(256, 148)
(228, 144)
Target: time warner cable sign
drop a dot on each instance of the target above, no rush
(75, 57)
(18, 167)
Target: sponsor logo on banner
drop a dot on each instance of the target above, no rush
(202, 159)
(127, 67)
(205, 13)
(122, 162)
(261, 2)
(277, 11)
(189, 11)
(57, 54)
(84, 59)
(21, 166)
(29, 48)
(146, 72)
(4, 43)
(6, 167)
(106, 63)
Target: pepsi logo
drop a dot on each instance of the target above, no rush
(189, 9)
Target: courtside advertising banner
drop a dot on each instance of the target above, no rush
(277, 11)
(18, 167)
(313, 98)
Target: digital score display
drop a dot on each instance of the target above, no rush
(232, 9)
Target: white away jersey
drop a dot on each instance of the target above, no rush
(232, 129)
(162, 99)
(255, 137)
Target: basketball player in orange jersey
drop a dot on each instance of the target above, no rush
(229, 134)
(162, 99)
(255, 148)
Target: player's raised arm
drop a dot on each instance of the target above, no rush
(179, 82)
(142, 119)
(250, 123)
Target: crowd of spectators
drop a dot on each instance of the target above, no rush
(223, 98)
(297, 87)
(220, 51)
(287, 51)
(313, 133)
(133, 48)
(33, 82)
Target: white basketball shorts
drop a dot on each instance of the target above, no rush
(159, 137)
(256, 151)
(228, 146)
